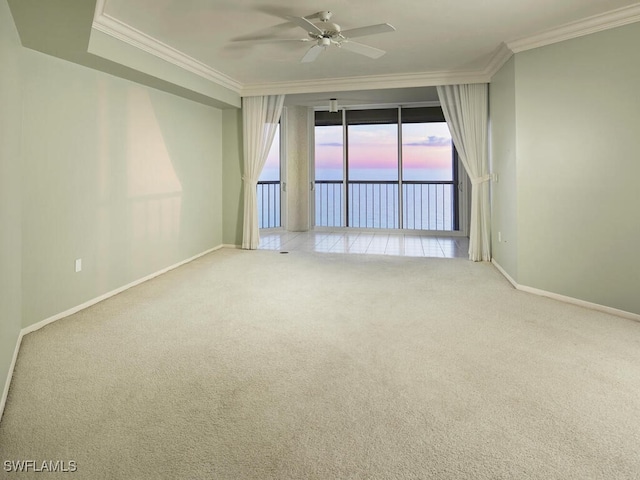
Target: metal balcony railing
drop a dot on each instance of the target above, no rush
(328, 204)
(268, 195)
(430, 205)
(425, 205)
(373, 204)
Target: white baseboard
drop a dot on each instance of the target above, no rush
(504, 273)
(93, 301)
(7, 383)
(566, 299)
(231, 245)
(76, 309)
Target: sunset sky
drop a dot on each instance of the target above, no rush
(373, 152)
(426, 151)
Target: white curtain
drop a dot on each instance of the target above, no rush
(260, 117)
(465, 108)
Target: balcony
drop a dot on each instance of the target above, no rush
(268, 196)
(425, 205)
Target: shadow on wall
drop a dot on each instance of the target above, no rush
(156, 175)
(139, 192)
(116, 174)
(192, 136)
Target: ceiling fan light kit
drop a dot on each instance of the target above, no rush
(326, 33)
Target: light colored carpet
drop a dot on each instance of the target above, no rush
(258, 365)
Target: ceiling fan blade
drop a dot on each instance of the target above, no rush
(370, 30)
(366, 50)
(313, 53)
(305, 24)
(263, 40)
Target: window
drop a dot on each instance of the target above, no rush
(372, 160)
(268, 193)
(329, 171)
(372, 183)
(429, 171)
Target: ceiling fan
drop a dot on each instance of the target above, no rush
(325, 33)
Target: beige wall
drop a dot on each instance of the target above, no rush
(127, 178)
(10, 196)
(504, 199)
(577, 117)
(232, 176)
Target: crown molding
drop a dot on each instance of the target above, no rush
(369, 106)
(127, 34)
(596, 23)
(370, 82)
(500, 56)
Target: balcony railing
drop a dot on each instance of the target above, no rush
(430, 205)
(373, 204)
(268, 196)
(329, 210)
(425, 205)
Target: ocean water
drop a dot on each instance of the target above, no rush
(375, 205)
(371, 204)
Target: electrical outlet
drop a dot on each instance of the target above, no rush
(499, 236)
(78, 265)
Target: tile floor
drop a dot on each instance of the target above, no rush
(344, 241)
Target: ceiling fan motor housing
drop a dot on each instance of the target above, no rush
(330, 29)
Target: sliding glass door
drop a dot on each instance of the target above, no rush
(329, 172)
(372, 168)
(385, 168)
(429, 174)
(269, 188)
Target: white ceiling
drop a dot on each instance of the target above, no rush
(432, 37)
